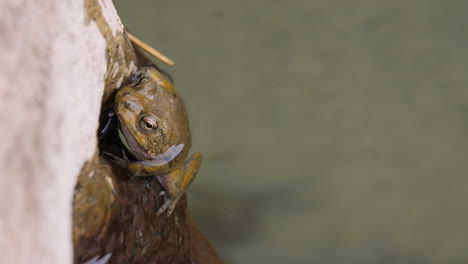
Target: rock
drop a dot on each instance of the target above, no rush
(60, 59)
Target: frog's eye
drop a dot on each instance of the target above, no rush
(148, 123)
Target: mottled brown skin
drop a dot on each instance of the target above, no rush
(114, 213)
(153, 123)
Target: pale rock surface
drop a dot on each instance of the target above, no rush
(51, 83)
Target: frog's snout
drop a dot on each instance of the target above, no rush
(129, 104)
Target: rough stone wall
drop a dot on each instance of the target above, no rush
(52, 73)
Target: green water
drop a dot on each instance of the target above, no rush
(333, 131)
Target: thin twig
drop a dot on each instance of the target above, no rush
(158, 55)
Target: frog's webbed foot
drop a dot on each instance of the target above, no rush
(168, 204)
(176, 183)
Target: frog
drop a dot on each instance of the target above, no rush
(152, 124)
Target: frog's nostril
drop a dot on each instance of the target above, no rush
(129, 104)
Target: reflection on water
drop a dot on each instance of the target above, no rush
(333, 131)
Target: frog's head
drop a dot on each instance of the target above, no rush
(152, 117)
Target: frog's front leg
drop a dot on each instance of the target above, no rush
(176, 183)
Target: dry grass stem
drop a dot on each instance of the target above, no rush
(158, 55)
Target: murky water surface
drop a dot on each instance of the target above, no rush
(333, 131)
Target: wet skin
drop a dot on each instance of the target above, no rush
(153, 126)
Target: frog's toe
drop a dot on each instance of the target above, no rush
(171, 209)
(115, 159)
(124, 155)
(112, 156)
(168, 205)
(164, 207)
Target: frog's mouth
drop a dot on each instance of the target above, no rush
(131, 144)
(137, 150)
